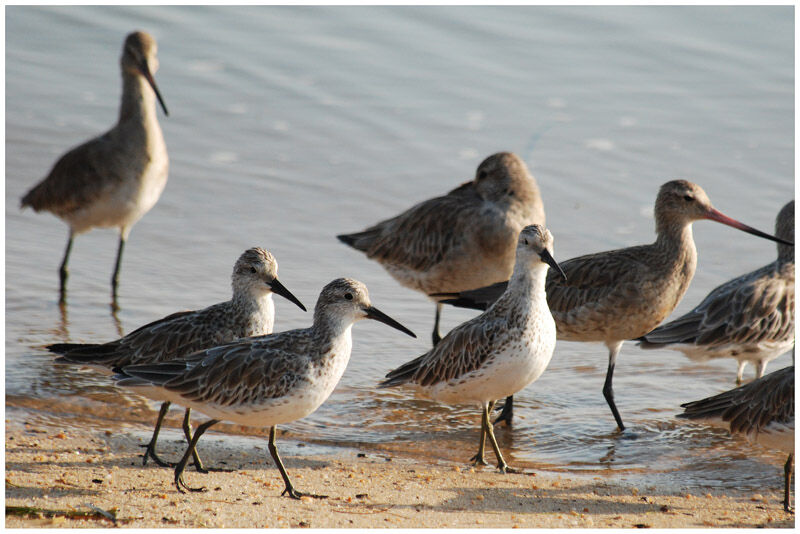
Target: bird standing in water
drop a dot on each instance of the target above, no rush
(115, 178)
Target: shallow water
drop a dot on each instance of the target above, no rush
(289, 125)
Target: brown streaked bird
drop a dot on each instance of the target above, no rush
(623, 294)
(250, 312)
(762, 411)
(749, 318)
(463, 240)
(115, 178)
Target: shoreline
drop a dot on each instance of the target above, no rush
(60, 468)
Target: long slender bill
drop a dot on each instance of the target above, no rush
(145, 70)
(549, 260)
(716, 215)
(375, 313)
(280, 289)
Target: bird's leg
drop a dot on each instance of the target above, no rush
(740, 372)
(150, 452)
(760, 368)
(478, 458)
(115, 276)
(289, 489)
(63, 272)
(508, 411)
(787, 473)
(198, 463)
(436, 336)
(608, 391)
(179, 483)
(501, 463)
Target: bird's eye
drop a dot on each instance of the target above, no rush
(688, 198)
(482, 175)
(252, 269)
(348, 296)
(525, 241)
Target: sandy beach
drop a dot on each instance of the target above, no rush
(58, 471)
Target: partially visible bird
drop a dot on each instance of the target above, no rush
(762, 411)
(463, 240)
(749, 318)
(498, 352)
(250, 312)
(115, 178)
(625, 293)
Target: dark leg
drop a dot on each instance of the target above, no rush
(187, 432)
(787, 472)
(63, 272)
(179, 483)
(198, 464)
(150, 452)
(115, 276)
(478, 458)
(608, 391)
(508, 411)
(289, 489)
(436, 336)
(501, 463)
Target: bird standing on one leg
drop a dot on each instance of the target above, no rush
(114, 179)
(762, 411)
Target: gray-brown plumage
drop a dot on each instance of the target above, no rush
(250, 312)
(463, 240)
(623, 294)
(115, 178)
(762, 411)
(264, 381)
(749, 318)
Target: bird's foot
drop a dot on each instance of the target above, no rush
(181, 485)
(294, 494)
(151, 453)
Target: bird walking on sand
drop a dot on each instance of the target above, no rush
(268, 380)
(498, 352)
(623, 294)
(115, 178)
(749, 318)
(462, 240)
(762, 411)
(250, 312)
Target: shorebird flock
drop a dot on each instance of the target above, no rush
(483, 245)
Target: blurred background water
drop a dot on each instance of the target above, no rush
(290, 125)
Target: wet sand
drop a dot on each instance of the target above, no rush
(50, 466)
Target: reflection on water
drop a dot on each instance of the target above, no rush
(292, 125)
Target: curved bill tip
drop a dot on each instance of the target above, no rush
(149, 77)
(375, 313)
(720, 217)
(549, 260)
(280, 289)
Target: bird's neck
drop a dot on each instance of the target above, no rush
(329, 328)
(674, 236)
(138, 100)
(675, 255)
(526, 285)
(258, 307)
